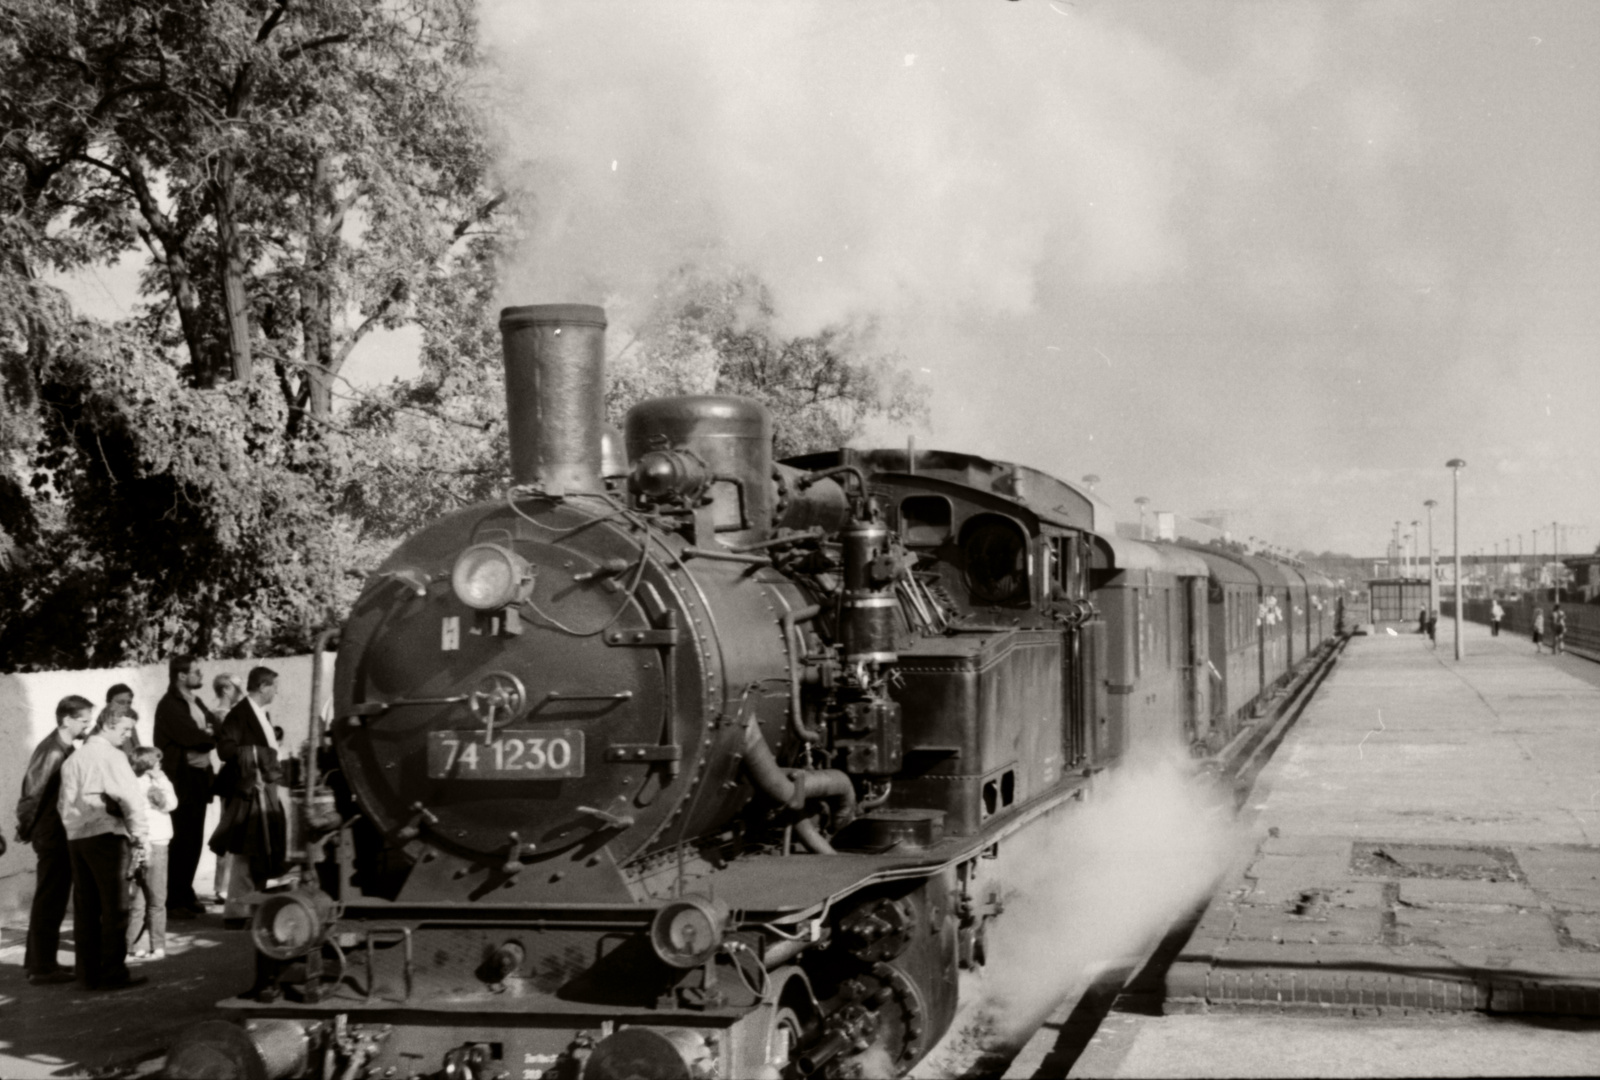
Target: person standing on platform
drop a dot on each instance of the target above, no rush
(1558, 630)
(119, 699)
(252, 831)
(228, 695)
(39, 824)
(103, 810)
(1538, 629)
(1496, 613)
(149, 895)
(184, 735)
(227, 692)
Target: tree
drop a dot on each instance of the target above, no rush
(300, 172)
(716, 333)
(245, 144)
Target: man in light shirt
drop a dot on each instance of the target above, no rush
(102, 809)
(252, 827)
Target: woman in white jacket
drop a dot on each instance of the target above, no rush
(149, 886)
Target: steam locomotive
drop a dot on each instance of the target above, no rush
(682, 762)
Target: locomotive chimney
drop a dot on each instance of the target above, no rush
(555, 395)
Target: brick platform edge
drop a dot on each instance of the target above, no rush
(1296, 978)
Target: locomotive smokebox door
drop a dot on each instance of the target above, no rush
(564, 733)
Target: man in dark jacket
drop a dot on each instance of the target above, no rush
(251, 831)
(39, 823)
(184, 735)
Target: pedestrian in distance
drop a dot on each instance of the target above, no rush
(103, 811)
(148, 914)
(185, 736)
(1496, 613)
(1433, 629)
(1422, 621)
(1558, 630)
(39, 824)
(1538, 629)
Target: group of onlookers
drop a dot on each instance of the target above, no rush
(1558, 626)
(118, 827)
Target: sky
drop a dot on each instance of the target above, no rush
(1279, 259)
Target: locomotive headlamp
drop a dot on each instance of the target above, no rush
(687, 932)
(488, 576)
(287, 925)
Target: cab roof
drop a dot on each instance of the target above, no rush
(1052, 499)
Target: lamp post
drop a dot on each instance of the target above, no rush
(1455, 465)
(1555, 548)
(1433, 574)
(1395, 557)
(1416, 537)
(1142, 501)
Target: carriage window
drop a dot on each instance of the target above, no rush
(925, 519)
(997, 561)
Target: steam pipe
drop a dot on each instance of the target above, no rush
(811, 836)
(795, 787)
(781, 952)
(838, 470)
(796, 719)
(824, 783)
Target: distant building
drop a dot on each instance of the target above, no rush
(1584, 577)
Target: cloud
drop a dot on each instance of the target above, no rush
(797, 140)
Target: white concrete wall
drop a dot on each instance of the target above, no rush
(28, 713)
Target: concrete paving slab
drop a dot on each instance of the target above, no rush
(1490, 928)
(1422, 892)
(1584, 930)
(1245, 1045)
(1328, 925)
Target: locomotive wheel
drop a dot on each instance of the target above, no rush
(783, 1040)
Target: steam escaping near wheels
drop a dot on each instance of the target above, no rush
(1099, 884)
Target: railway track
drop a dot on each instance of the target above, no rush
(977, 1047)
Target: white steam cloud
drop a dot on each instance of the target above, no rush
(881, 158)
(1101, 886)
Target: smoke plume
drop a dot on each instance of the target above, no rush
(891, 158)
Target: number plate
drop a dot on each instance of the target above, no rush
(546, 754)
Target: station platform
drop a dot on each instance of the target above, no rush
(1427, 844)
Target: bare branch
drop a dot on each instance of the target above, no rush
(295, 51)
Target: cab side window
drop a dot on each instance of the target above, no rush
(995, 552)
(925, 520)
